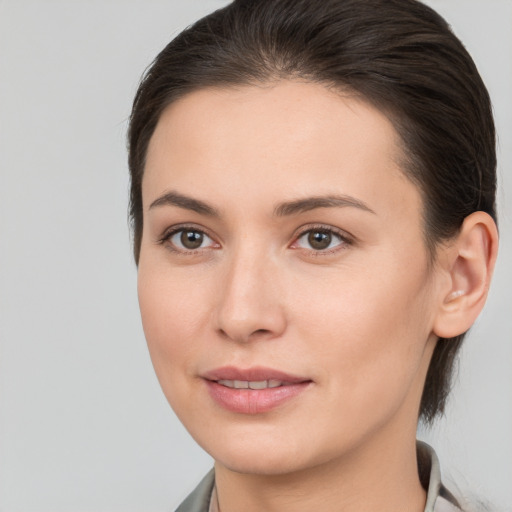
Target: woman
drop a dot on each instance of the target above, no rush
(313, 202)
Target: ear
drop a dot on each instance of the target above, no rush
(467, 263)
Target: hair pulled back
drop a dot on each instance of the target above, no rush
(398, 55)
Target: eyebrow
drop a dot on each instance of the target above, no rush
(311, 203)
(282, 210)
(188, 203)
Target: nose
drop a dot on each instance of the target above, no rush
(250, 305)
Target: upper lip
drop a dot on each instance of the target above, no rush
(254, 374)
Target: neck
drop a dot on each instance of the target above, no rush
(381, 475)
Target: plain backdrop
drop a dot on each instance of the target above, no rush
(83, 423)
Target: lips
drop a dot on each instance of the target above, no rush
(253, 390)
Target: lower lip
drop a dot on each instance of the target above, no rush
(253, 401)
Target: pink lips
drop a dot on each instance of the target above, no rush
(253, 390)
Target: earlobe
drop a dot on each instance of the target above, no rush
(469, 264)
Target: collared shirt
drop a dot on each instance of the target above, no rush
(439, 499)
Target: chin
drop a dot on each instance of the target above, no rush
(269, 455)
(257, 463)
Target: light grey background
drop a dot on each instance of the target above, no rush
(83, 423)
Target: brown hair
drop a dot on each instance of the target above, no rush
(399, 55)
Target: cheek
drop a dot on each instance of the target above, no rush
(172, 312)
(368, 335)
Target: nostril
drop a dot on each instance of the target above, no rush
(260, 331)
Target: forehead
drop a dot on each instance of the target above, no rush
(289, 136)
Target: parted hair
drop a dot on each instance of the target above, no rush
(398, 55)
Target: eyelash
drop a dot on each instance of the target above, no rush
(345, 240)
(167, 236)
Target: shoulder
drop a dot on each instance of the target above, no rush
(199, 499)
(439, 499)
(445, 505)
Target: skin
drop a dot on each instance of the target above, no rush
(357, 319)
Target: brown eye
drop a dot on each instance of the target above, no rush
(191, 239)
(319, 240)
(188, 239)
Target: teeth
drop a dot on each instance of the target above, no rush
(253, 384)
(258, 384)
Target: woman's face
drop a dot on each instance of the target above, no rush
(283, 251)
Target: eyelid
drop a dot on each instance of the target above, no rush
(172, 230)
(346, 238)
